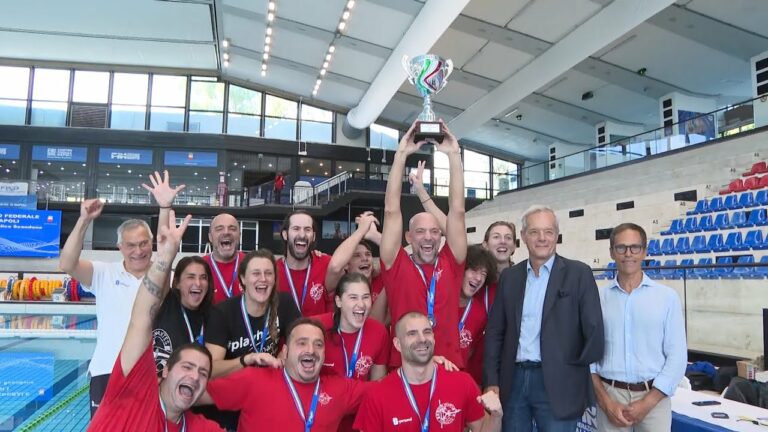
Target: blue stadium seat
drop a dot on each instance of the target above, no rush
(716, 244)
(699, 244)
(754, 239)
(702, 206)
(761, 198)
(734, 242)
(757, 217)
(705, 223)
(716, 204)
(739, 219)
(652, 269)
(608, 274)
(762, 272)
(731, 202)
(669, 273)
(722, 221)
(668, 246)
(676, 227)
(690, 225)
(746, 200)
(686, 262)
(654, 247)
(703, 273)
(744, 272)
(725, 272)
(683, 246)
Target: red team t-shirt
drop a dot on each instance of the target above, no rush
(377, 286)
(454, 405)
(265, 403)
(315, 302)
(228, 272)
(406, 292)
(374, 347)
(132, 403)
(474, 328)
(475, 364)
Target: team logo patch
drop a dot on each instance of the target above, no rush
(162, 348)
(465, 338)
(363, 366)
(445, 413)
(438, 274)
(324, 398)
(316, 292)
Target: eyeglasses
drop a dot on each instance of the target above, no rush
(622, 249)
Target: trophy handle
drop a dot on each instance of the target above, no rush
(407, 67)
(449, 63)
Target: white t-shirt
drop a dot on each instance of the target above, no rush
(115, 290)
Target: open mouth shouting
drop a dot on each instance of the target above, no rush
(196, 295)
(359, 314)
(300, 247)
(186, 393)
(308, 363)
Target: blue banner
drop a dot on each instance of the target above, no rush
(29, 233)
(28, 202)
(10, 151)
(59, 153)
(191, 159)
(26, 377)
(125, 156)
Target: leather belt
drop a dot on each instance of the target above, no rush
(641, 386)
(528, 364)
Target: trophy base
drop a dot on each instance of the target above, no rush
(428, 131)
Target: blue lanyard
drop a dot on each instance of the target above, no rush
(227, 289)
(430, 290)
(485, 298)
(350, 365)
(192, 338)
(300, 305)
(247, 321)
(464, 316)
(412, 400)
(165, 420)
(307, 419)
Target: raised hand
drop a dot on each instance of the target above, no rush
(161, 189)
(365, 220)
(169, 236)
(417, 178)
(450, 144)
(407, 146)
(447, 364)
(90, 209)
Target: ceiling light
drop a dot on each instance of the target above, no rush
(271, 5)
(265, 56)
(226, 63)
(345, 15)
(318, 82)
(266, 48)
(510, 113)
(350, 4)
(225, 43)
(226, 56)
(325, 65)
(328, 57)
(269, 31)
(342, 25)
(331, 49)
(268, 39)
(263, 66)
(314, 92)
(322, 71)
(263, 73)
(270, 17)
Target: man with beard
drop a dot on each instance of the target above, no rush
(421, 395)
(291, 398)
(133, 400)
(114, 284)
(225, 256)
(428, 280)
(302, 272)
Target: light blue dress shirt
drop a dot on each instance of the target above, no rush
(644, 335)
(529, 348)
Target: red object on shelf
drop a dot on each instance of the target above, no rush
(757, 168)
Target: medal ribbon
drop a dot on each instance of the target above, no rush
(247, 322)
(192, 338)
(165, 419)
(227, 288)
(431, 287)
(349, 365)
(412, 399)
(465, 315)
(293, 288)
(307, 419)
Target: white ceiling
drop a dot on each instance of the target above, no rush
(696, 47)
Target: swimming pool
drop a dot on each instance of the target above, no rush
(44, 367)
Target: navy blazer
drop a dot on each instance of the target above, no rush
(571, 334)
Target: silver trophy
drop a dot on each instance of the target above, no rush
(429, 74)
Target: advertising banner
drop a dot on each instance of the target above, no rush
(29, 233)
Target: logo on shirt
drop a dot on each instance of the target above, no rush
(163, 348)
(363, 366)
(324, 398)
(235, 345)
(465, 338)
(397, 422)
(445, 413)
(316, 292)
(438, 274)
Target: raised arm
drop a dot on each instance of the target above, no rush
(455, 225)
(392, 235)
(417, 180)
(163, 193)
(69, 259)
(346, 249)
(151, 292)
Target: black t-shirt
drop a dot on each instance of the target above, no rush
(169, 331)
(227, 328)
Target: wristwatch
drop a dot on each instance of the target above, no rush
(242, 360)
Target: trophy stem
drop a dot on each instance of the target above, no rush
(427, 114)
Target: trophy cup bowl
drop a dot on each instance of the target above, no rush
(429, 74)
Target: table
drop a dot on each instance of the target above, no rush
(687, 417)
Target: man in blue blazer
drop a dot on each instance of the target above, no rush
(544, 330)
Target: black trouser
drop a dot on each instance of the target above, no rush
(98, 387)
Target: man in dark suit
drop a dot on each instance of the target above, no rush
(544, 330)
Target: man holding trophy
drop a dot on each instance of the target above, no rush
(429, 74)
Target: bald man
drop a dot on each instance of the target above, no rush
(225, 256)
(428, 280)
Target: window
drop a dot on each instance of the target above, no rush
(206, 106)
(120, 174)
(129, 101)
(61, 172)
(280, 118)
(14, 87)
(476, 174)
(50, 94)
(440, 161)
(10, 155)
(169, 95)
(92, 87)
(199, 171)
(316, 124)
(351, 167)
(505, 175)
(244, 116)
(314, 170)
(382, 137)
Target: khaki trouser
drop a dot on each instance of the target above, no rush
(658, 419)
